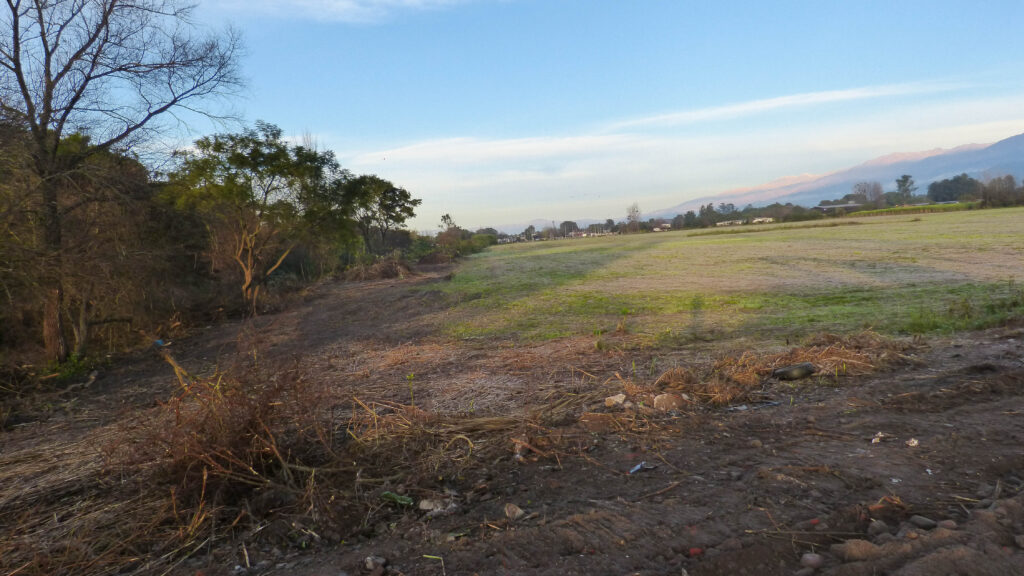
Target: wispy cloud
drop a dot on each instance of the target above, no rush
(353, 11)
(753, 107)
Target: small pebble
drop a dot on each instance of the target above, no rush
(812, 560)
(877, 527)
(922, 522)
(804, 572)
(755, 443)
(947, 524)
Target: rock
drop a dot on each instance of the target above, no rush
(668, 401)
(613, 401)
(755, 443)
(804, 572)
(514, 512)
(877, 527)
(374, 562)
(856, 550)
(1019, 540)
(812, 560)
(922, 522)
(794, 372)
(428, 505)
(947, 524)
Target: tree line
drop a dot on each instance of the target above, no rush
(96, 247)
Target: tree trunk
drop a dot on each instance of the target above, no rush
(53, 319)
(53, 326)
(81, 328)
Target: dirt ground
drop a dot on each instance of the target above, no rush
(917, 469)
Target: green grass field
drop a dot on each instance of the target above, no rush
(897, 274)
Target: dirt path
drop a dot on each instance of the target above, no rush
(724, 491)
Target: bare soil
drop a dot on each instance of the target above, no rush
(811, 466)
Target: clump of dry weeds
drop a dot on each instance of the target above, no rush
(380, 270)
(733, 378)
(249, 455)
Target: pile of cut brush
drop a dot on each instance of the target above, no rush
(257, 456)
(732, 378)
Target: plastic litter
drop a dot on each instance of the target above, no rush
(641, 467)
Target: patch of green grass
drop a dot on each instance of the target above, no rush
(940, 273)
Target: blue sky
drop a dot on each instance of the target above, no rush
(501, 111)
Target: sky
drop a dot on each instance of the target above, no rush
(503, 111)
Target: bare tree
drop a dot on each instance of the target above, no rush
(872, 192)
(633, 217)
(109, 70)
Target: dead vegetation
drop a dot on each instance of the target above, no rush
(262, 454)
(252, 455)
(739, 378)
(380, 270)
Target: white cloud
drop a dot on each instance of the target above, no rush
(492, 181)
(353, 11)
(753, 107)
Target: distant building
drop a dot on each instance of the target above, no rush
(729, 223)
(763, 220)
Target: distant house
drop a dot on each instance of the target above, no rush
(729, 223)
(763, 220)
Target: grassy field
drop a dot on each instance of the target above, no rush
(897, 274)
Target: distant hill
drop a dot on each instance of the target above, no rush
(979, 161)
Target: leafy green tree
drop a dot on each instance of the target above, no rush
(568, 227)
(258, 195)
(379, 206)
(957, 188)
(530, 232)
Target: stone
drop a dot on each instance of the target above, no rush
(514, 512)
(795, 372)
(428, 505)
(1019, 540)
(613, 401)
(947, 524)
(374, 562)
(755, 443)
(668, 401)
(922, 522)
(804, 572)
(812, 560)
(877, 527)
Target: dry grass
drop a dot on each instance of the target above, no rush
(732, 379)
(380, 270)
(252, 454)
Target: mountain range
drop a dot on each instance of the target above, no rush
(980, 161)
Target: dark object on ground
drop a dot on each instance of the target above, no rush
(794, 372)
